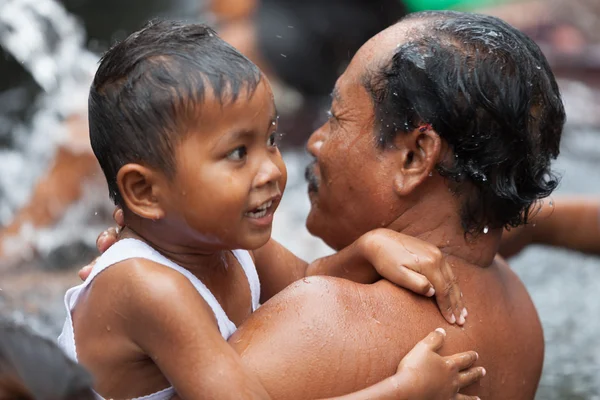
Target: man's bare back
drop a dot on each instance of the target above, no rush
(351, 335)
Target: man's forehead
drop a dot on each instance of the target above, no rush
(381, 46)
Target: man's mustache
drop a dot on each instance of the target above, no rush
(311, 178)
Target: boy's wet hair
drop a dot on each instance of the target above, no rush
(148, 90)
(32, 368)
(488, 91)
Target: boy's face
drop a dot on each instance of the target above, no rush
(229, 174)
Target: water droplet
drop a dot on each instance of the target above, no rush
(211, 35)
(291, 26)
(538, 67)
(395, 93)
(431, 173)
(283, 55)
(278, 36)
(108, 328)
(96, 213)
(486, 229)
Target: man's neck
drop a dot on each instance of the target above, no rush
(437, 221)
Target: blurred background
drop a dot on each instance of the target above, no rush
(53, 197)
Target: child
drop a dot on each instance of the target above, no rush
(32, 368)
(184, 128)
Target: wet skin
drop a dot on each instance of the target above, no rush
(334, 336)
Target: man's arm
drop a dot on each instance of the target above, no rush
(568, 222)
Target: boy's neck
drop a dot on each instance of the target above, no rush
(197, 260)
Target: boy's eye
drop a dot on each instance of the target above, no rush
(272, 140)
(238, 154)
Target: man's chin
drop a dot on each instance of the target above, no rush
(312, 220)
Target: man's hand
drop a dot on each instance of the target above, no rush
(434, 377)
(416, 265)
(104, 241)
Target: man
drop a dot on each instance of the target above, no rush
(442, 127)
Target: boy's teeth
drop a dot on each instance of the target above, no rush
(258, 214)
(260, 211)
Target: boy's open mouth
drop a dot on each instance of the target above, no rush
(260, 211)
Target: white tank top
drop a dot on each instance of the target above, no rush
(133, 248)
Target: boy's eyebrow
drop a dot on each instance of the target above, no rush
(240, 135)
(274, 118)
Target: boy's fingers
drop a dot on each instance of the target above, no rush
(462, 360)
(448, 295)
(459, 307)
(435, 340)
(407, 278)
(470, 376)
(442, 296)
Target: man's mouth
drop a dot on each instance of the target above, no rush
(261, 210)
(311, 178)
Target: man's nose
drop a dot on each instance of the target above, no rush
(268, 173)
(315, 141)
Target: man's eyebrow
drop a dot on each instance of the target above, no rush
(335, 95)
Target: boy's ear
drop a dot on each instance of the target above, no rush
(420, 151)
(140, 188)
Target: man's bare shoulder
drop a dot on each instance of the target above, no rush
(326, 325)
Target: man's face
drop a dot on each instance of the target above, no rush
(351, 182)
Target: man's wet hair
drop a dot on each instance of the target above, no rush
(32, 367)
(488, 91)
(148, 91)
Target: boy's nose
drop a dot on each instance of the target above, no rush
(269, 172)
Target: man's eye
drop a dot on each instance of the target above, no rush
(238, 154)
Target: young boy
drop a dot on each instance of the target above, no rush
(184, 128)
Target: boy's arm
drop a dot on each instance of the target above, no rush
(404, 260)
(176, 328)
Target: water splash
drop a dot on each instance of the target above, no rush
(49, 44)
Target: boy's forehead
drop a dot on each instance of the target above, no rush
(247, 106)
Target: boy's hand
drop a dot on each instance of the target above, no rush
(431, 376)
(416, 265)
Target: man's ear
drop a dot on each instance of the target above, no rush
(140, 189)
(419, 153)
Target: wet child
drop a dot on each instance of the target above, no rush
(185, 130)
